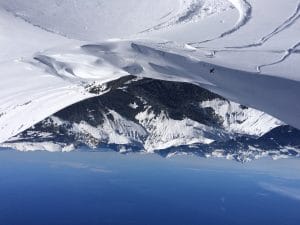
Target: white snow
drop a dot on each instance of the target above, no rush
(133, 105)
(117, 131)
(165, 132)
(244, 121)
(247, 51)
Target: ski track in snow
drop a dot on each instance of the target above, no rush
(215, 51)
(290, 21)
(287, 54)
(245, 13)
(191, 11)
(282, 27)
(245, 10)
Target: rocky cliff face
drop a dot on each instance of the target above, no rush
(163, 117)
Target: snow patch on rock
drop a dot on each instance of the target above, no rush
(243, 120)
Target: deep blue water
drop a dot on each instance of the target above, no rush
(108, 188)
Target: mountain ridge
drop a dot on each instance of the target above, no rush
(163, 117)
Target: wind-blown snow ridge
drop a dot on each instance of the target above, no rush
(158, 62)
(108, 61)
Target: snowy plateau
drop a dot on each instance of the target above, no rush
(214, 78)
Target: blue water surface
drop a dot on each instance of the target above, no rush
(103, 188)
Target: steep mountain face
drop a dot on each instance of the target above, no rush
(163, 117)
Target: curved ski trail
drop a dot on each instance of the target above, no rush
(287, 54)
(282, 27)
(245, 13)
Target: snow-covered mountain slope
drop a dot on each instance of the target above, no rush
(53, 52)
(173, 62)
(164, 117)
